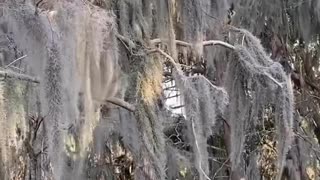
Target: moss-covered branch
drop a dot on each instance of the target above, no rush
(19, 76)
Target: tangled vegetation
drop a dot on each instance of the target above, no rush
(86, 88)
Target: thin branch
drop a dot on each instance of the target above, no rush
(171, 60)
(198, 149)
(216, 173)
(177, 107)
(205, 43)
(274, 80)
(216, 148)
(215, 42)
(174, 96)
(13, 67)
(14, 75)
(208, 81)
(20, 58)
(121, 103)
(178, 42)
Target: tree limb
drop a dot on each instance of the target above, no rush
(178, 42)
(121, 103)
(205, 43)
(198, 149)
(19, 76)
(171, 60)
(216, 42)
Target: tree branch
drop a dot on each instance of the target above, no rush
(128, 41)
(178, 42)
(205, 43)
(272, 79)
(216, 42)
(198, 149)
(20, 58)
(176, 66)
(171, 60)
(121, 103)
(19, 76)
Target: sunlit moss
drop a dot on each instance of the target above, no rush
(71, 145)
(150, 86)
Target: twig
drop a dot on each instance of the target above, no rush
(121, 103)
(216, 173)
(13, 67)
(271, 78)
(20, 58)
(14, 75)
(216, 148)
(243, 39)
(198, 149)
(308, 141)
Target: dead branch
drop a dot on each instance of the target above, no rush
(272, 79)
(20, 58)
(19, 76)
(171, 60)
(178, 42)
(198, 149)
(205, 43)
(121, 103)
(216, 42)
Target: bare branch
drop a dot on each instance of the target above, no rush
(171, 60)
(121, 103)
(224, 164)
(198, 149)
(205, 43)
(20, 58)
(177, 66)
(215, 42)
(14, 75)
(274, 80)
(178, 42)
